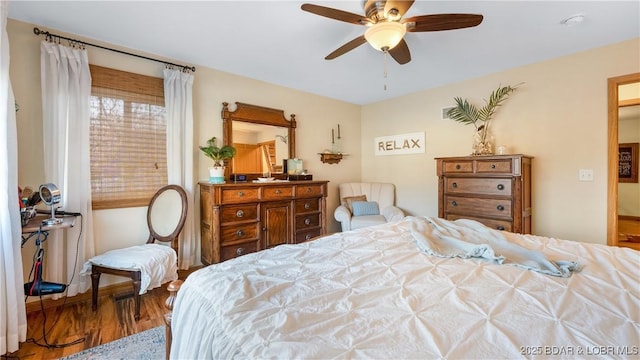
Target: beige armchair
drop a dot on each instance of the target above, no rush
(366, 204)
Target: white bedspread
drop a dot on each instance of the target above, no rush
(371, 293)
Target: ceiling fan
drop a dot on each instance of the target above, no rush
(386, 27)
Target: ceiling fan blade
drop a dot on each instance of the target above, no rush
(347, 47)
(335, 14)
(401, 6)
(400, 53)
(439, 22)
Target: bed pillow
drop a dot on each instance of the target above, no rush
(350, 199)
(361, 208)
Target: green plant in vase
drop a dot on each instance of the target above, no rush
(218, 155)
(467, 113)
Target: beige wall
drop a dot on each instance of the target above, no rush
(559, 116)
(122, 227)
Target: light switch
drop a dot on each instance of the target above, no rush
(585, 175)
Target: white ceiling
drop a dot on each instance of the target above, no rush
(276, 42)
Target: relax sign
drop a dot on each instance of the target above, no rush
(400, 144)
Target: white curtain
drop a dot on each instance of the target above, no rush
(178, 104)
(13, 318)
(66, 88)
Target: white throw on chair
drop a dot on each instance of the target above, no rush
(148, 265)
(366, 204)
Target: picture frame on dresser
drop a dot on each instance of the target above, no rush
(628, 162)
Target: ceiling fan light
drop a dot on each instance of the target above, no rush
(385, 35)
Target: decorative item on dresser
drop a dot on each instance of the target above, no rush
(218, 155)
(238, 219)
(467, 113)
(494, 190)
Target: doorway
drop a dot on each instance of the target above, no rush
(613, 230)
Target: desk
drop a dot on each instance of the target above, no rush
(35, 225)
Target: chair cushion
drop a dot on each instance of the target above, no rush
(361, 208)
(358, 222)
(348, 201)
(157, 263)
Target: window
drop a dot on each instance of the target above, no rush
(127, 138)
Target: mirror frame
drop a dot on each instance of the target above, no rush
(612, 156)
(257, 115)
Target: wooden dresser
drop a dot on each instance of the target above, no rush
(494, 190)
(238, 219)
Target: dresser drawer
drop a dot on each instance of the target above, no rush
(277, 192)
(458, 167)
(307, 221)
(497, 208)
(248, 212)
(309, 190)
(306, 235)
(237, 195)
(233, 251)
(307, 205)
(490, 186)
(235, 233)
(494, 166)
(491, 223)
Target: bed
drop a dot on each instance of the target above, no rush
(377, 293)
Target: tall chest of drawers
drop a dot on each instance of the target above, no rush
(494, 190)
(237, 219)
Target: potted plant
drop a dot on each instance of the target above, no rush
(218, 155)
(467, 113)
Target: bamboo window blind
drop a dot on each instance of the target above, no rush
(127, 138)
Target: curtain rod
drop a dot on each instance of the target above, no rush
(50, 35)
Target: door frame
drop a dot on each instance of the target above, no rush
(612, 153)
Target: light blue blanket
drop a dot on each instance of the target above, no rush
(468, 238)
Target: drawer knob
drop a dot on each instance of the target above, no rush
(500, 227)
(454, 203)
(307, 206)
(239, 213)
(308, 189)
(454, 185)
(493, 166)
(500, 208)
(240, 233)
(239, 251)
(240, 193)
(500, 187)
(308, 237)
(458, 167)
(278, 191)
(307, 221)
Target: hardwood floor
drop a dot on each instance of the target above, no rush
(76, 322)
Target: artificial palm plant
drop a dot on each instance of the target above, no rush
(467, 113)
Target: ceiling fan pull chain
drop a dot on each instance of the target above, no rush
(385, 69)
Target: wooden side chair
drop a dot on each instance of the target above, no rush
(151, 264)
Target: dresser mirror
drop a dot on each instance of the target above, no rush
(263, 138)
